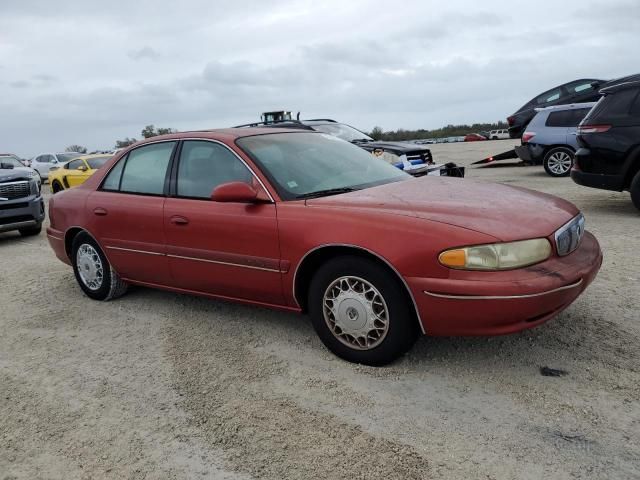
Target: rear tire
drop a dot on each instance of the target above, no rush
(31, 231)
(56, 187)
(558, 161)
(634, 189)
(97, 279)
(353, 295)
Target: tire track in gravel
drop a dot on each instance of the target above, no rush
(226, 388)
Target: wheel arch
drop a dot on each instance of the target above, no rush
(548, 148)
(72, 233)
(633, 168)
(321, 254)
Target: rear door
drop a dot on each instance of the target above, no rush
(225, 249)
(126, 213)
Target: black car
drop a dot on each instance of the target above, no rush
(609, 141)
(578, 91)
(410, 157)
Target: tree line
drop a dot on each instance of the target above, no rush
(449, 131)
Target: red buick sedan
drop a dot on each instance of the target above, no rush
(305, 222)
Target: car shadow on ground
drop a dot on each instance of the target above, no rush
(569, 338)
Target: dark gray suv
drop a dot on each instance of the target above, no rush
(21, 203)
(550, 138)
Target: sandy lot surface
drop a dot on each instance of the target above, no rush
(159, 386)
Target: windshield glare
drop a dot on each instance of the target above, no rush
(340, 130)
(302, 163)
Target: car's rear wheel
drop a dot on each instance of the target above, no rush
(558, 161)
(56, 187)
(31, 231)
(97, 279)
(634, 189)
(361, 312)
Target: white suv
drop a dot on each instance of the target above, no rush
(499, 134)
(42, 163)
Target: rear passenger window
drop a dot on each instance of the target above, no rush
(142, 171)
(146, 169)
(205, 165)
(112, 182)
(560, 119)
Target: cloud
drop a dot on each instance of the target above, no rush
(144, 53)
(102, 71)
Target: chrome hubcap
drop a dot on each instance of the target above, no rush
(560, 163)
(89, 267)
(356, 313)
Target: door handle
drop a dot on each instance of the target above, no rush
(99, 211)
(178, 220)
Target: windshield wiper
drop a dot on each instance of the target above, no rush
(327, 192)
(360, 140)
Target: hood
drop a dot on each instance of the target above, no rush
(10, 174)
(396, 147)
(502, 211)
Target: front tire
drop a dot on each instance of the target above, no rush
(97, 279)
(558, 161)
(56, 187)
(634, 189)
(361, 312)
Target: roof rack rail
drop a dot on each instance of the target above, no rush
(297, 123)
(321, 120)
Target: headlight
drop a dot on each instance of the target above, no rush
(34, 185)
(497, 256)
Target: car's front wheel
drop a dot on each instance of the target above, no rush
(56, 187)
(97, 279)
(361, 312)
(558, 162)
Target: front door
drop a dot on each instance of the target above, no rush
(126, 214)
(75, 173)
(225, 249)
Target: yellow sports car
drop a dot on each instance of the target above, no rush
(76, 171)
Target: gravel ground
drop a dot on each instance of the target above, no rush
(158, 385)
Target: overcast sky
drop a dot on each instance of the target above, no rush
(92, 72)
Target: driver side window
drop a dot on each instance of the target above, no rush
(206, 165)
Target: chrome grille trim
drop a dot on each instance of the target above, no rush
(14, 190)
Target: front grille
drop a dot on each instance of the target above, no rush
(11, 206)
(13, 190)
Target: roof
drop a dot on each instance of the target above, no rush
(569, 106)
(620, 86)
(222, 133)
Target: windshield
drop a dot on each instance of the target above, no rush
(340, 130)
(97, 162)
(11, 161)
(299, 164)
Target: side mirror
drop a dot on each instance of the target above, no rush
(83, 168)
(238, 192)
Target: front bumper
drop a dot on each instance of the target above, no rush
(21, 213)
(498, 303)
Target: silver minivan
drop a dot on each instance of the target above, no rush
(550, 137)
(42, 163)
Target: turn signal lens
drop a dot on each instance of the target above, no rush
(497, 256)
